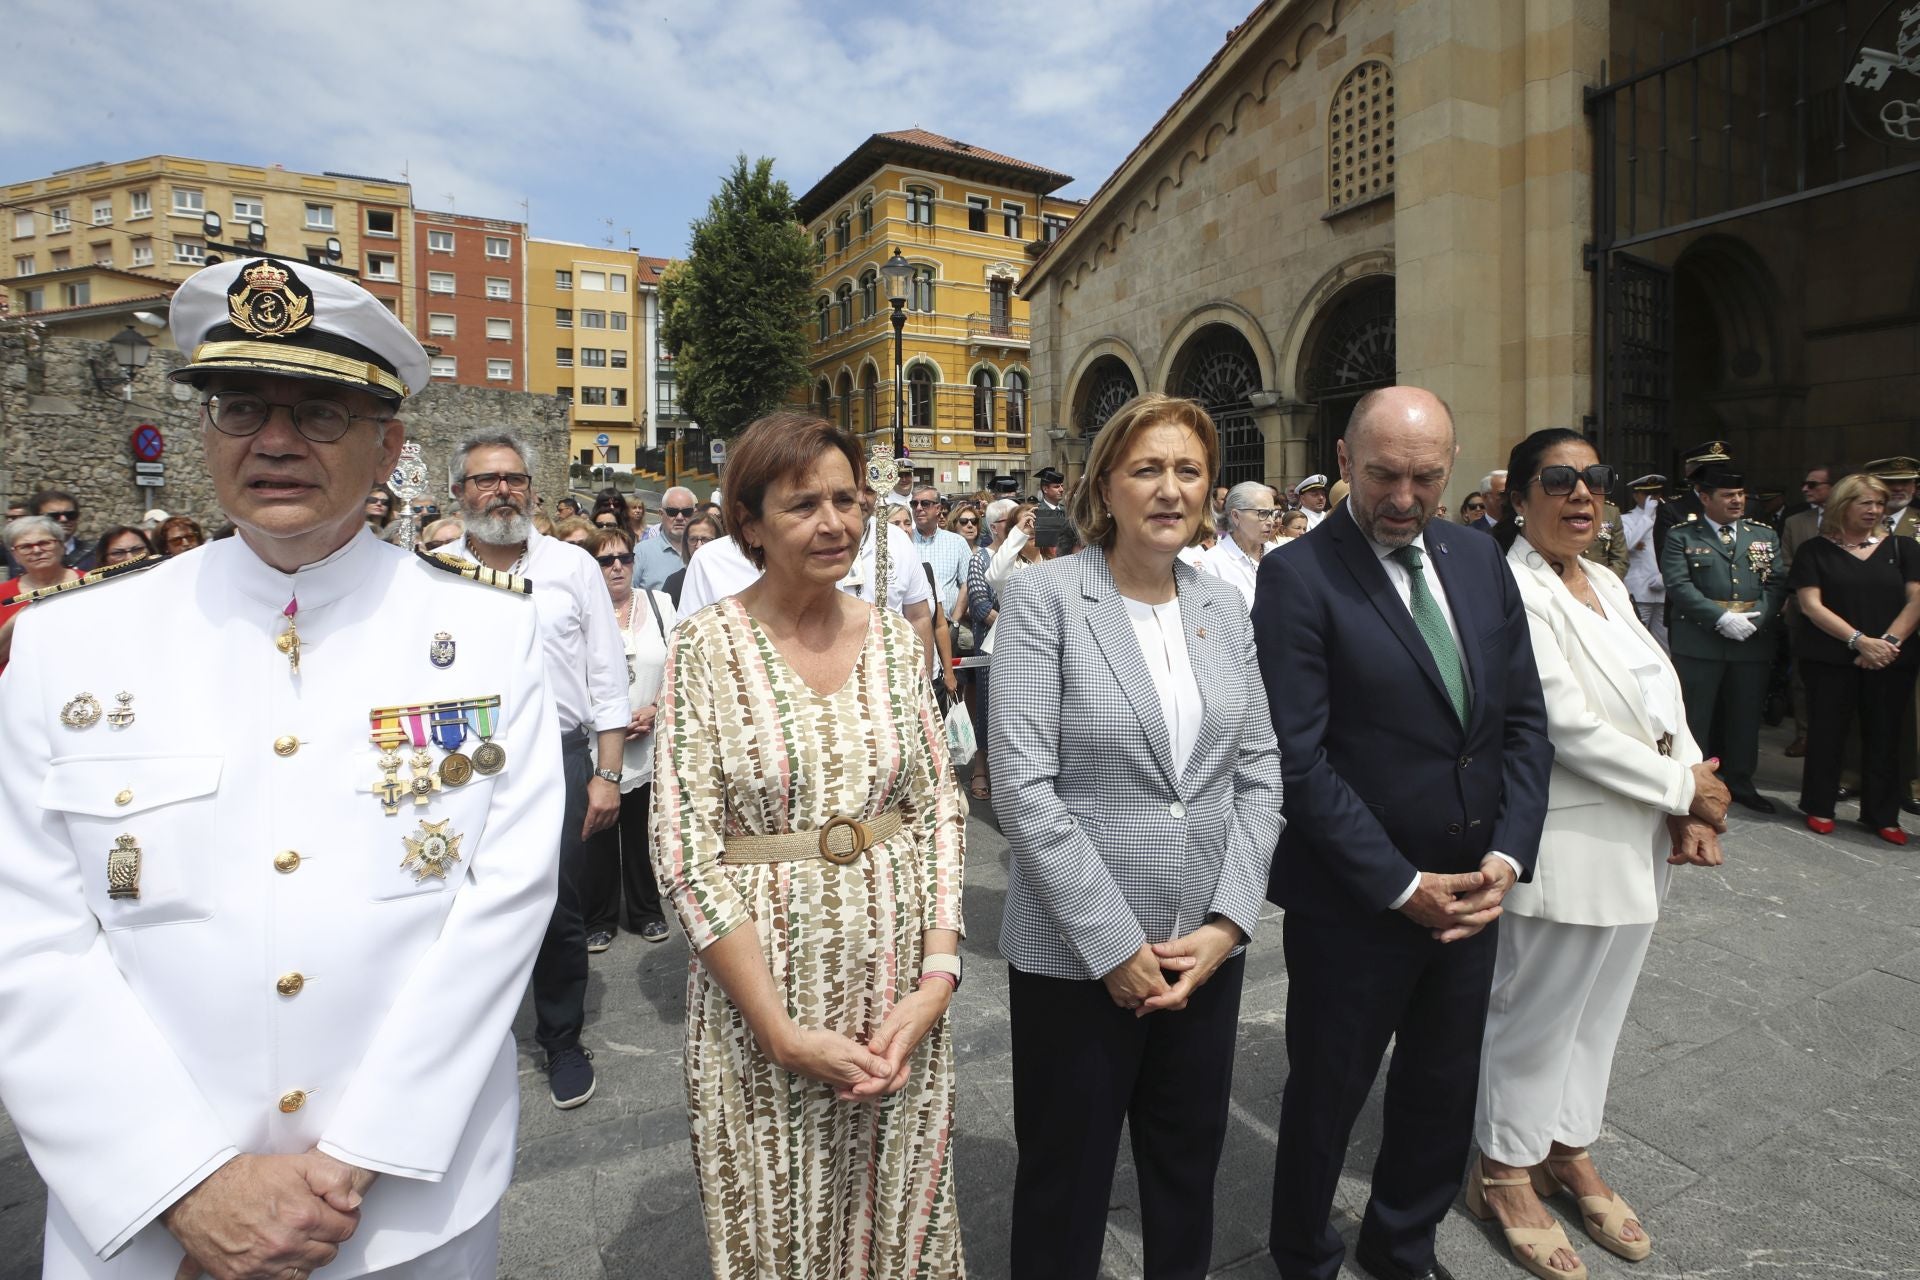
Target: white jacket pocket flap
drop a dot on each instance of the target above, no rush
(113, 786)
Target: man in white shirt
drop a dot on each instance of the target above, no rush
(1313, 499)
(1252, 511)
(1644, 583)
(491, 476)
(901, 495)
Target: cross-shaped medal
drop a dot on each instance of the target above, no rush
(390, 790)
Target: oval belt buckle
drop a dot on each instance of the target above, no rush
(860, 840)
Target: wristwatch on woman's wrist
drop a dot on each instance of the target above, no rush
(1891, 639)
(607, 775)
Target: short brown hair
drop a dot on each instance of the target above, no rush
(1855, 488)
(600, 539)
(1087, 509)
(570, 527)
(773, 448)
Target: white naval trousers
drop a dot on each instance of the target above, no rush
(474, 1254)
(1560, 997)
(1653, 616)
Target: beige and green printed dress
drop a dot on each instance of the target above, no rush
(796, 1185)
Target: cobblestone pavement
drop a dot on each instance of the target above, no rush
(1764, 1119)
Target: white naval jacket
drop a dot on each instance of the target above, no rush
(1603, 851)
(144, 1042)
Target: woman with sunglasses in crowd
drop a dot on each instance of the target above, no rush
(618, 862)
(1472, 507)
(1628, 797)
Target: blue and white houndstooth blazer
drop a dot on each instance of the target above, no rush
(1109, 848)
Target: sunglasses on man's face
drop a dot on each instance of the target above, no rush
(606, 524)
(1558, 482)
(677, 513)
(1476, 506)
(607, 562)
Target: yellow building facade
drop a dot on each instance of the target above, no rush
(586, 329)
(968, 221)
(149, 218)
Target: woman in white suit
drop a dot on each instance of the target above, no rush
(1629, 796)
(1138, 783)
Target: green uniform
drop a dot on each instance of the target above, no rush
(1610, 546)
(1706, 578)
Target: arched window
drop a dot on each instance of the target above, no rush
(869, 293)
(983, 388)
(920, 206)
(842, 231)
(820, 245)
(844, 307)
(1360, 136)
(920, 396)
(868, 422)
(920, 297)
(1016, 410)
(846, 402)
(824, 399)
(824, 306)
(866, 213)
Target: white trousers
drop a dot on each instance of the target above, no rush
(474, 1254)
(1654, 618)
(1560, 997)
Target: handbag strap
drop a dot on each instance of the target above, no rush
(658, 621)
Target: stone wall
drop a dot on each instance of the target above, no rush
(65, 423)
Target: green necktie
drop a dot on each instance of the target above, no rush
(1432, 623)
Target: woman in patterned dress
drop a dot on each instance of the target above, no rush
(819, 1064)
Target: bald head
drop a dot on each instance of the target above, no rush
(1397, 456)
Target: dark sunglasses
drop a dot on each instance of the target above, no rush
(678, 511)
(1476, 506)
(1558, 482)
(926, 502)
(68, 516)
(606, 524)
(607, 562)
(967, 520)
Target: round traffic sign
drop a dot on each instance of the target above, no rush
(147, 443)
(603, 439)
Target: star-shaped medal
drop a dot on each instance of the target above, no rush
(431, 850)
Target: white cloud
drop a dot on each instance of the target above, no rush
(570, 103)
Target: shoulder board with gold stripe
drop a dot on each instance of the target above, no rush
(476, 572)
(91, 578)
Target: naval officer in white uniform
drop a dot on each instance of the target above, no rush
(275, 873)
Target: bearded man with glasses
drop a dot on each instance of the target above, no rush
(258, 970)
(490, 475)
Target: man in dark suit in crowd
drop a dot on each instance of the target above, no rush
(1414, 745)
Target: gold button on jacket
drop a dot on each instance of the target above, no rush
(290, 984)
(286, 862)
(292, 1100)
(285, 745)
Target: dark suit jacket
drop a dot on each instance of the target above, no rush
(1381, 778)
(1483, 523)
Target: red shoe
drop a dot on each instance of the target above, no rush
(1820, 826)
(1892, 835)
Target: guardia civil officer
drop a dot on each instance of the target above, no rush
(1686, 508)
(275, 871)
(1724, 591)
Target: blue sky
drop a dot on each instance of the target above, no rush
(607, 118)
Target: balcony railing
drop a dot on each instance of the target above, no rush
(995, 330)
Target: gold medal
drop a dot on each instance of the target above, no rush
(423, 782)
(123, 869)
(431, 851)
(455, 769)
(81, 712)
(489, 758)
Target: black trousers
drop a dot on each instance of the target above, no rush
(1724, 701)
(1081, 1066)
(1352, 986)
(620, 864)
(560, 966)
(1879, 701)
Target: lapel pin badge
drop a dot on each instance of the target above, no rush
(441, 651)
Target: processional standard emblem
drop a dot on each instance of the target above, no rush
(1883, 87)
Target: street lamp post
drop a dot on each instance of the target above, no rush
(898, 273)
(132, 351)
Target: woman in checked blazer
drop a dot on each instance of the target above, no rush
(1138, 783)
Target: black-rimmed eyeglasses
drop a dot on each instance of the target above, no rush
(1558, 482)
(518, 481)
(321, 421)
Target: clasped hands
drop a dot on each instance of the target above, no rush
(1871, 653)
(1453, 907)
(1734, 626)
(1141, 983)
(267, 1217)
(857, 1072)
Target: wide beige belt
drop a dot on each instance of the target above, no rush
(839, 841)
(1738, 606)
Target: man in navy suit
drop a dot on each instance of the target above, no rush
(1414, 745)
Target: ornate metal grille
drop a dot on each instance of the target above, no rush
(1112, 386)
(1360, 136)
(1356, 347)
(1640, 365)
(1220, 374)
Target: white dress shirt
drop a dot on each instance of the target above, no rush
(721, 569)
(1313, 517)
(586, 663)
(1403, 587)
(1163, 643)
(1659, 692)
(649, 622)
(1644, 582)
(1227, 561)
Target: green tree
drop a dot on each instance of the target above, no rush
(734, 313)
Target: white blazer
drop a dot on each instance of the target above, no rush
(1604, 849)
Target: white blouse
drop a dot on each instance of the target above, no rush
(1659, 692)
(645, 640)
(1163, 643)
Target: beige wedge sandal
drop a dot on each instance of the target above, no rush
(1601, 1216)
(1544, 1241)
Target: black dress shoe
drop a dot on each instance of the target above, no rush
(1911, 806)
(1755, 801)
(1383, 1268)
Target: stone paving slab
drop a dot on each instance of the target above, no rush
(1764, 1119)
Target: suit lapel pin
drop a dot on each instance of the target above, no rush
(121, 716)
(81, 712)
(1200, 633)
(440, 652)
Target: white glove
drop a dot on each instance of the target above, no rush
(1734, 626)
